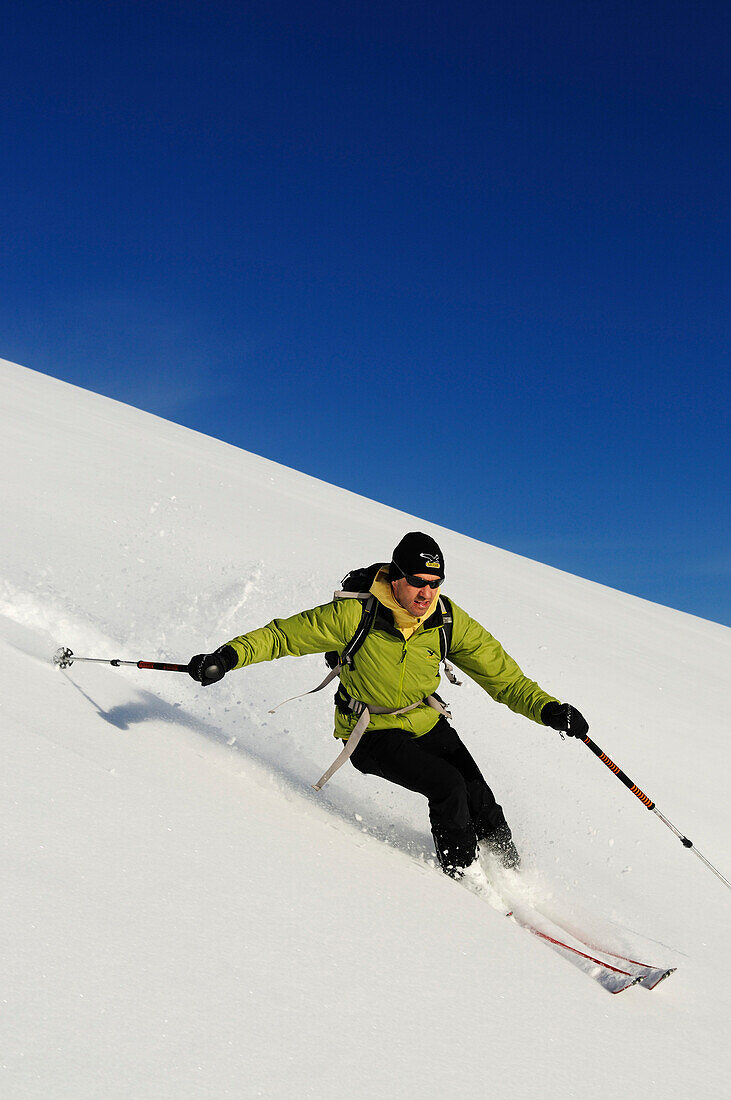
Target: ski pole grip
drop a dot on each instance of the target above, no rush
(619, 773)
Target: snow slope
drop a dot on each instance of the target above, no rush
(182, 916)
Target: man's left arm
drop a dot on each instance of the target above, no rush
(480, 656)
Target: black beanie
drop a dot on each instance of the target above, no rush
(418, 553)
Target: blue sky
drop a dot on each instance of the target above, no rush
(467, 259)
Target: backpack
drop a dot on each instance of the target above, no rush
(356, 585)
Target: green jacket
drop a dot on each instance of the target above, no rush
(390, 672)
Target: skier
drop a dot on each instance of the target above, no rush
(409, 741)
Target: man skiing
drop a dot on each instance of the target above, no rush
(386, 699)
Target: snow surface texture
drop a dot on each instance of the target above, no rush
(183, 916)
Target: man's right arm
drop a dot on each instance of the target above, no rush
(315, 631)
(318, 630)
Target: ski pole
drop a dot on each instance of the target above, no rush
(650, 805)
(64, 658)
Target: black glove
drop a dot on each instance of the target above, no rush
(565, 718)
(207, 668)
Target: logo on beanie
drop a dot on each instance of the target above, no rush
(431, 561)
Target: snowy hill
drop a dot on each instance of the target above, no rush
(183, 916)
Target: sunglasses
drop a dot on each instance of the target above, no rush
(419, 582)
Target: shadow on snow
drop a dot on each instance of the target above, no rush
(342, 806)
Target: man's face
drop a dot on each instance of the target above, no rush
(414, 600)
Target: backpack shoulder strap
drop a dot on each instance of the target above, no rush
(445, 638)
(355, 585)
(367, 618)
(445, 631)
(369, 605)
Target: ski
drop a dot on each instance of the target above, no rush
(610, 976)
(645, 974)
(648, 975)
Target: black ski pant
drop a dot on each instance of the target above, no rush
(462, 808)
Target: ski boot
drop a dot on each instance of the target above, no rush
(456, 850)
(499, 843)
